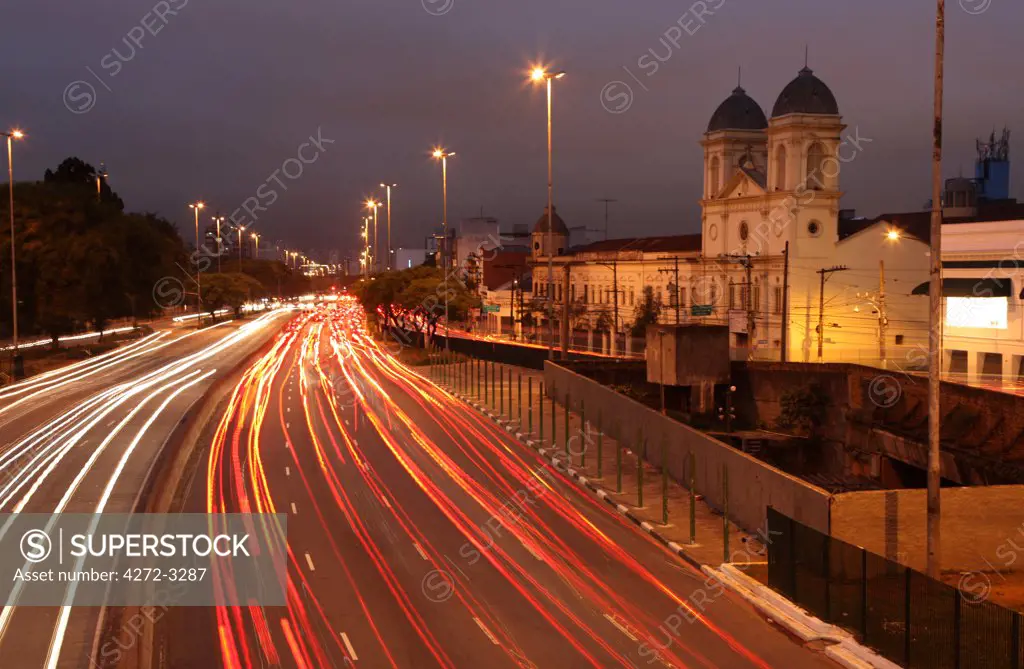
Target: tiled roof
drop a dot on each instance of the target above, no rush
(670, 244)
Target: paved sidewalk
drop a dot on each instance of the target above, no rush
(513, 395)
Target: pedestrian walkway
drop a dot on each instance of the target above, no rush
(517, 399)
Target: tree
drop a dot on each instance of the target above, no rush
(77, 172)
(804, 409)
(82, 262)
(646, 313)
(604, 321)
(229, 290)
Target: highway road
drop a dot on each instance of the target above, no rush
(83, 438)
(421, 535)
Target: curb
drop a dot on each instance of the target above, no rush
(581, 480)
(843, 649)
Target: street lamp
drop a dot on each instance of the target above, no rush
(218, 220)
(100, 176)
(540, 74)
(387, 259)
(16, 368)
(241, 229)
(196, 207)
(256, 238)
(374, 205)
(443, 155)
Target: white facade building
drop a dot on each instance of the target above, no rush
(843, 291)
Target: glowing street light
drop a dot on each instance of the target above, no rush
(893, 235)
(100, 176)
(241, 229)
(539, 74)
(218, 220)
(374, 205)
(16, 368)
(256, 238)
(197, 207)
(443, 155)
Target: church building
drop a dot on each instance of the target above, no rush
(777, 258)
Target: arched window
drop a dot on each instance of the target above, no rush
(815, 164)
(713, 177)
(780, 168)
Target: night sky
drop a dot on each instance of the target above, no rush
(227, 90)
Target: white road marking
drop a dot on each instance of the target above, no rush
(294, 510)
(309, 561)
(420, 551)
(614, 621)
(349, 648)
(486, 631)
(287, 471)
(385, 502)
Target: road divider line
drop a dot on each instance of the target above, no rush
(420, 551)
(309, 561)
(294, 510)
(287, 471)
(614, 621)
(486, 631)
(349, 648)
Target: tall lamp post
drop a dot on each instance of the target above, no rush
(374, 205)
(218, 220)
(16, 366)
(196, 208)
(256, 239)
(100, 176)
(241, 229)
(540, 74)
(443, 155)
(387, 259)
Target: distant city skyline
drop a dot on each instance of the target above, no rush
(379, 84)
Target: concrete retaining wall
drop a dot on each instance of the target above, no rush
(753, 485)
(982, 527)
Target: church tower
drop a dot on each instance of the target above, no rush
(559, 236)
(735, 144)
(803, 167)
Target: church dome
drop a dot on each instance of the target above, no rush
(556, 221)
(806, 94)
(739, 111)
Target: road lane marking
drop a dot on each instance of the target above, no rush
(309, 561)
(287, 471)
(349, 648)
(385, 502)
(614, 621)
(486, 631)
(420, 551)
(294, 510)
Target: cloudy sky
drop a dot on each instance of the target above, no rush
(214, 97)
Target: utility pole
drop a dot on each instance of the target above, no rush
(935, 297)
(883, 320)
(607, 201)
(826, 274)
(566, 328)
(748, 303)
(675, 272)
(785, 305)
(615, 296)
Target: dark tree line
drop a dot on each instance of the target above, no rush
(83, 261)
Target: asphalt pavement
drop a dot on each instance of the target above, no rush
(420, 534)
(83, 438)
